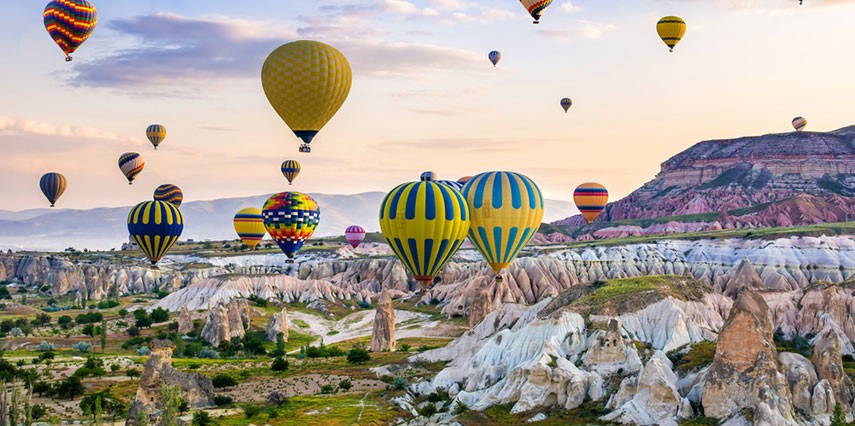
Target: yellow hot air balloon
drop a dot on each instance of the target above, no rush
(591, 199)
(306, 82)
(506, 210)
(424, 223)
(249, 226)
(671, 29)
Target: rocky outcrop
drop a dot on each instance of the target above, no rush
(801, 377)
(651, 398)
(185, 322)
(193, 388)
(608, 353)
(745, 278)
(481, 307)
(226, 321)
(829, 367)
(745, 373)
(276, 324)
(383, 334)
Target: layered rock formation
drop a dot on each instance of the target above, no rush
(194, 388)
(226, 321)
(185, 322)
(651, 398)
(276, 324)
(383, 333)
(829, 367)
(481, 306)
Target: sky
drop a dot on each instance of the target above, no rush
(424, 96)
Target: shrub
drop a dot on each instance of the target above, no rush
(83, 347)
(123, 312)
(143, 351)
(45, 346)
(358, 356)
(279, 364)
(428, 410)
(208, 352)
(133, 331)
(404, 348)
(220, 400)
(345, 385)
(400, 383)
(39, 411)
(460, 408)
(159, 315)
(222, 380)
(327, 389)
(201, 418)
(251, 410)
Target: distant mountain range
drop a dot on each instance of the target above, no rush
(105, 228)
(780, 179)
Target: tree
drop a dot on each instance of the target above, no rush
(279, 364)
(133, 331)
(201, 418)
(103, 335)
(345, 385)
(358, 356)
(64, 322)
(223, 381)
(98, 411)
(159, 315)
(89, 330)
(132, 372)
(123, 312)
(83, 347)
(70, 388)
(838, 418)
(6, 325)
(42, 319)
(171, 403)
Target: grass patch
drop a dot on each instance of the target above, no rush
(332, 410)
(588, 414)
(699, 356)
(618, 296)
(299, 323)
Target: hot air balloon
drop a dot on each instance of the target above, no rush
(671, 29)
(799, 123)
(536, 8)
(169, 193)
(424, 223)
(306, 82)
(131, 164)
(591, 198)
(70, 23)
(155, 226)
(290, 218)
(495, 56)
(290, 169)
(566, 103)
(427, 176)
(464, 179)
(250, 226)
(507, 210)
(454, 184)
(53, 185)
(354, 234)
(155, 133)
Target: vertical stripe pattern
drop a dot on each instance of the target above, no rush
(155, 133)
(52, 185)
(290, 169)
(155, 226)
(424, 223)
(290, 218)
(507, 210)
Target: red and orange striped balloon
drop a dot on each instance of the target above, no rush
(591, 199)
(70, 23)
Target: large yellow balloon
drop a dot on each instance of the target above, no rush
(306, 82)
(671, 30)
(506, 211)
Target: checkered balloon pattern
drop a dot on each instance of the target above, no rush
(290, 218)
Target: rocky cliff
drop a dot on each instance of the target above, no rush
(751, 172)
(383, 331)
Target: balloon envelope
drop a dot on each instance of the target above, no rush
(250, 226)
(155, 226)
(290, 218)
(427, 176)
(169, 193)
(535, 8)
(799, 123)
(52, 185)
(70, 23)
(507, 210)
(306, 82)
(671, 30)
(424, 223)
(155, 133)
(131, 164)
(591, 199)
(354, 234)
(454, 184)
(290, 169)
(566, 103)
(495, 56)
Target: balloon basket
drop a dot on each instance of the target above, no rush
(305, 148)
(68, 59)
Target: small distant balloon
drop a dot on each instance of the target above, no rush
(70, 23)
(155, 133)
(566, 103)
(290, 169)
(169, 193)
(53, 185)
(354, 234)
(131, 164)
(464, 179)
(535, 8)
(495, 56)
(799, 123)
(454, 184)
(671, 30)
(591, 199)
(250, 226)
(428, 176)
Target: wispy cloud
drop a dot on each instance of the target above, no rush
(14, 126)
(583, 30)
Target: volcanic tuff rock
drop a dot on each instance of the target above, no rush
(278, 323)
(724, 175)
(745, 278)
(185, 323)
(801, 377)
(609, 353)
(226, 321)
(193, 388)
(829, 366)
(383, 334)
(745, 373)
(651, 398)
(481, 306)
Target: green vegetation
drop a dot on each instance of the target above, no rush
(588, 414)
(699, 421)
(797, 343)
(623, 295)
(700, 355)
(337, 409)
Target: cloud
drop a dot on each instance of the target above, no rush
(174, 52)
(583, 29)
(569, 7)
(13, 126)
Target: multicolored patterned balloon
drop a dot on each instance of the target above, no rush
(535, 8)
(454, 184)
(155, 133)
(591, 199)
(70, 23)
(424, 223)
(290, 218)
(354, 234)
(131, 164)
(290, 169)
(53, 185)
(250, 226)
(155, 226)
(507, 210)
(169, 193)
(799, 123)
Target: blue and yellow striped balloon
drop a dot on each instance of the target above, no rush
(155, 133)
(52, 185)
(169, 193)
(290, 169)
(155, 226)
(454, 184)
(424, 223)
(507, 210)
